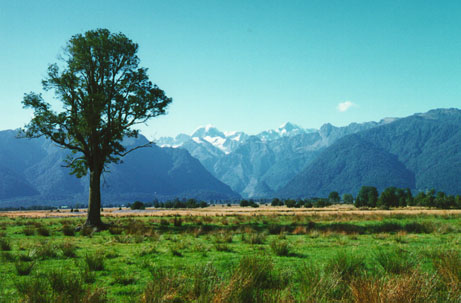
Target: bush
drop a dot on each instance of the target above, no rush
(137, 205)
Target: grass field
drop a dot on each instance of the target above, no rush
(232, 254)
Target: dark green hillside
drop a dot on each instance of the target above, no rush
(422, 151)
(32, 172)
(346, 169)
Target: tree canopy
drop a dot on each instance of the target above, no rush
(104, 94)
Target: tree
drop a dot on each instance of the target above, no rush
(389, 198)
(368, 196)
(334, 197)
(348, 199)
(104, 94)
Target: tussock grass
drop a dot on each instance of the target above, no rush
(68, 230)
(23, 268)
(360, 257)
(95, 261)
(5, 244)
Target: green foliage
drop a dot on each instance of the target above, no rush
(23, 268)
(338, 257)
(346, 265)
(104, 93)
(280, 247)
(368, 196)
(95, 261)
(276, 202)
(68, 230)
(137, 205)
(43, 231)
(348, 199)
(395, 261)
(4, 244)
(334, 197)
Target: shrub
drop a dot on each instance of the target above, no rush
(137, 205)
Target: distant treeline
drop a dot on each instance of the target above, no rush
(176, 203)
(370, 197)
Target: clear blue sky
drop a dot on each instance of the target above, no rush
(253, 65)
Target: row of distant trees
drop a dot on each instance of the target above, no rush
(398, 197)
(369, 196)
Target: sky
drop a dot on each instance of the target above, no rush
(252, 65)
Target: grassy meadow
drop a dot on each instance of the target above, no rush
(228, 254)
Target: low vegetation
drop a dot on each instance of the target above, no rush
(234, 258)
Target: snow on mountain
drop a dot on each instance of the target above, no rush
(255, 165)
(228, 141)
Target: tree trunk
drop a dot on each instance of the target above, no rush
(94, 202)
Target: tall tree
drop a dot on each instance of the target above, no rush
(104, 94)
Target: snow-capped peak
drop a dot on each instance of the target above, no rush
(208, 130)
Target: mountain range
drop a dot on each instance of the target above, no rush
(259, 165)
(421, 151)
(32, 172)
(418, 152)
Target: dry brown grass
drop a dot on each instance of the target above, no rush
(339, 213)
(412, 287)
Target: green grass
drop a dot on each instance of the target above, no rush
(232, 259)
